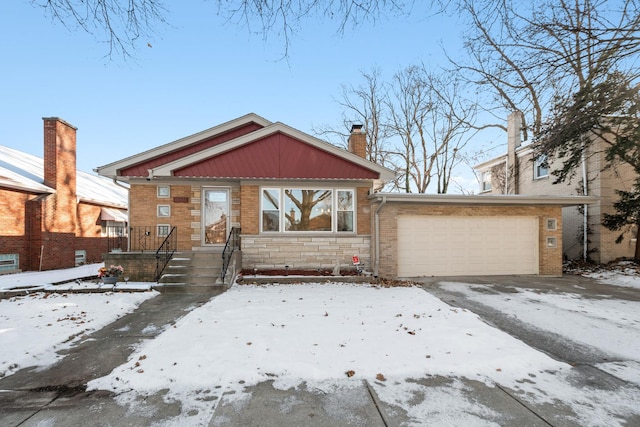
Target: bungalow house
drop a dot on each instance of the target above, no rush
(521, 171)
(52, 215)
(301, 202)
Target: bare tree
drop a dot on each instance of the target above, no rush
(525, 54)
(363, 104)
(431, 122)
(118, 23)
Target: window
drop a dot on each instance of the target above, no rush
(164, 210)
(551, 242)
(552, 224)
(81, 257)
(9, 262)
(486, 181)
(163, 230)
(308, 210)
(164, 191)
(345, 210)
(541, 167)
(271, 209)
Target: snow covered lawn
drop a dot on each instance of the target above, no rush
(334, 335)
(34, 327)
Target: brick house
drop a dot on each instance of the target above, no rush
(51, 215)
(520, 171)
(304, 203)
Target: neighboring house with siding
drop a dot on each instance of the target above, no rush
(304, 203)
(52, 215)
(521, 171)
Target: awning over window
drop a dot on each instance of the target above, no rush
(109, 214)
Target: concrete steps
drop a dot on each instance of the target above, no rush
(193, 269)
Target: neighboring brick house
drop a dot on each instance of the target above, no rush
(520, 171)
(304, 203)
(51, 215)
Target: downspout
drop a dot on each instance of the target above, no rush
(377, 234)
(585, 192)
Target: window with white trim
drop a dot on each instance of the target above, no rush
(164, 191)
(307, 210)
(162, 230)
(541, 168)
(485, 181)
(271, 209)
(164, 211)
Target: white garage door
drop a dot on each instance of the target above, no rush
(465, 246)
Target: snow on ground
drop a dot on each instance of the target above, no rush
(39, 279)
(612, 326)
(34, 327)
(622, 273)
(336, 335)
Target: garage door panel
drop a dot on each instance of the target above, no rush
(449, 245)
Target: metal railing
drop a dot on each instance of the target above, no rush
(165, 252)
(232, 245)
(116, 238)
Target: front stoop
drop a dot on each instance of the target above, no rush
(192, 270)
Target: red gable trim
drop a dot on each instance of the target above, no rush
(141, 169)
(277, 156)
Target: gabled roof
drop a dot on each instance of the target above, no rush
(151, 158)
(25, 172)
(270, 151)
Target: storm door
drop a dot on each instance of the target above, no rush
(215, 216)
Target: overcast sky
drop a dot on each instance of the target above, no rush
(199, 72)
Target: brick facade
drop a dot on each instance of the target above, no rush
(46, 230)
(550, 259)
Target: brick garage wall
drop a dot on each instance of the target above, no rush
(550, 259)
(304, 252)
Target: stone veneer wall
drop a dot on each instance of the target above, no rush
(304, 252)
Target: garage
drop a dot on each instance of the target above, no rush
(430, 245)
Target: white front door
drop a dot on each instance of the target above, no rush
(215, 216)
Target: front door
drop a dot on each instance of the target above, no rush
(215, 216)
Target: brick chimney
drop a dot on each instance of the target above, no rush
(358, 141)
(60, 169)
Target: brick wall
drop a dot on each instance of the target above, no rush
(550, 259)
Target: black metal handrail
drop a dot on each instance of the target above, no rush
(232, 245)
(165, 252)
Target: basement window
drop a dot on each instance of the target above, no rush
(9, 262)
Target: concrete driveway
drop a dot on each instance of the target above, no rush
(57, 396)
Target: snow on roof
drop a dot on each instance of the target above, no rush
(24, 171)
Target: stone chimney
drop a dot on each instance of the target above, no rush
(358, 141)
(60, 169)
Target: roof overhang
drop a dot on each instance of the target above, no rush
(108, 214)
(487, 200)
(111, 170)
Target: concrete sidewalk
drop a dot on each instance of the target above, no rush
(57, 396)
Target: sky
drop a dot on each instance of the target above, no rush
(200, 71)
(388, 337)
